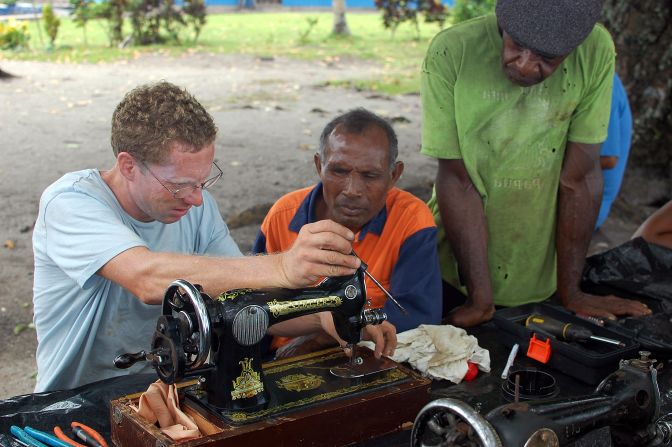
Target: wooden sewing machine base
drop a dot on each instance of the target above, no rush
(309, 407)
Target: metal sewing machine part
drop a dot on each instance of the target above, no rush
(229, 329)
(355, 367)
(628, 401)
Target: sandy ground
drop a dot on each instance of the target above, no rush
(55, 118)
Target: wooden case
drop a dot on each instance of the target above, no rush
(352, 417)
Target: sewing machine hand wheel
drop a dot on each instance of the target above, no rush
(450, 422)
(196, 338)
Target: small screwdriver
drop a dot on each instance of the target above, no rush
(364, 268)
(565, 331)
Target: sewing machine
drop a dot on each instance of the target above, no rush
(627, 401)
(219, 342)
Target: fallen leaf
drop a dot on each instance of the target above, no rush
(400, 119)
(20, 328)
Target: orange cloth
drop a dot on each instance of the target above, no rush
(160, 403)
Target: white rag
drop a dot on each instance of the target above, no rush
(440, 352)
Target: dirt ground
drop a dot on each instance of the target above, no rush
(55, 118)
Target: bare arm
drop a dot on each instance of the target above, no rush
(579, 198)
(657, 228)
(463, 218)
(317, 331)
(322, 249)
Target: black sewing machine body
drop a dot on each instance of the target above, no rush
(220, 339)
(238, 401)
(627, 401)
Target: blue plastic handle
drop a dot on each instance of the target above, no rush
(25, 437)
(47, 438)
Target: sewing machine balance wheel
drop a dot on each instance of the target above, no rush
(449, 422)
(183, 331)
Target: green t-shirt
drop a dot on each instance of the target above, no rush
(512, 140)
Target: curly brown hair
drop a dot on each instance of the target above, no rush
(152, 117)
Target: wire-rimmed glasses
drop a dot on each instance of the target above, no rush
(185, 191)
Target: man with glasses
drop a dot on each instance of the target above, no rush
(108, 243)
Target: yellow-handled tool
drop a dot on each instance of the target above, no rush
(565, 331)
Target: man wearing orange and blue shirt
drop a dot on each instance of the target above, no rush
(395, 231)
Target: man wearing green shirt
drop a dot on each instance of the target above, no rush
(515, 106)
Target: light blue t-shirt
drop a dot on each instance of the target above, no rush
(83, 320)
(617, 144)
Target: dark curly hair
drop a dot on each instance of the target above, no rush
(153, 116)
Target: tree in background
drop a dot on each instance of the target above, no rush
(195, 16)
(13, 36)
(82, 12)
(116, 20)
(642, 33)
(51, 23)
(340, 25)
(468, 9)
(396, 12)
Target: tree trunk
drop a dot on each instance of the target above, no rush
(642, 32)
(340, 25)
(247, 4)
(117, 20)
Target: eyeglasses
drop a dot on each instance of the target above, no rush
(186, 191)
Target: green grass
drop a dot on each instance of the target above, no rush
(263, 34)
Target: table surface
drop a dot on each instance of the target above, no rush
(89, 404)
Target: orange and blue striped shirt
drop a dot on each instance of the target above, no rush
(398, 245)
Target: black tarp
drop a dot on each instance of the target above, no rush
(637, 270)
(88, 404)
(636, 267)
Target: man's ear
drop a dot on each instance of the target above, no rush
(128, 166)
(318, 163)
(397, 171)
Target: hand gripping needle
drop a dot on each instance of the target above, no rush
(364, 267)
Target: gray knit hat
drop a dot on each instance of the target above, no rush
(552, 27)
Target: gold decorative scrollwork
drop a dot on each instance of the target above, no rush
(279, 308)
(300, 382)
(232, 294)
(390, 376)
(248, 384)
